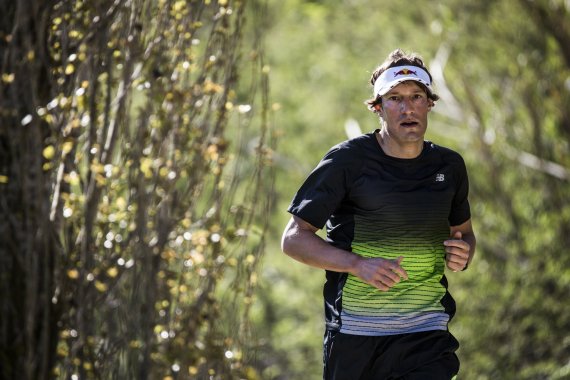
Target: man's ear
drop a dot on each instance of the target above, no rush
(378, 108)
(430, 104)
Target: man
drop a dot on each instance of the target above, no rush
(396, 213)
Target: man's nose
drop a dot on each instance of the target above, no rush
(406, 105)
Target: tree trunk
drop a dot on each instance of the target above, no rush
(28, 334)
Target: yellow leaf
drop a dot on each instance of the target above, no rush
(72, 178)
(97, 167)
(197, 257)
(145, 166)
(69, 69)
(121, 203)
(178, 6)
(62, 351)
(3, 179)
(100, 286)
(232, 262)
(210, 87)
(73, 274)
(100, 179)
(112, 272)
(66, 147)
(49, 152)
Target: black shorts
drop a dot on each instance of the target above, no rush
(426, 355)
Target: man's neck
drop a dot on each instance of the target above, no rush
(394, 148)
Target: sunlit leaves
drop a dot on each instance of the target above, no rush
(8, 77)
(48, 152)
(73, 274)
(142, 170)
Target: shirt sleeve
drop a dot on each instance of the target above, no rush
(460, 209)
(325, 187)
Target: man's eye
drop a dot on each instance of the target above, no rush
(394, 98)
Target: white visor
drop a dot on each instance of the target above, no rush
(396, 75)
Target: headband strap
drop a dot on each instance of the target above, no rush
(396, 75)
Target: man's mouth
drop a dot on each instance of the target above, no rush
(409, 123)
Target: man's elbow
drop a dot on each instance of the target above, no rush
(287, 241)
(297, 236)
(289, 235)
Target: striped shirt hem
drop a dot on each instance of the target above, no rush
(392, 325)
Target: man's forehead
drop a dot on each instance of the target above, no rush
(408, 86)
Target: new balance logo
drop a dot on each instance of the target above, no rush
(439, 177)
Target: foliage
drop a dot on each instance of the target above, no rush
(136, 180)
(138, 169)
(502, 69)
(519, 124)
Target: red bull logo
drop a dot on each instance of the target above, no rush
(405, 72)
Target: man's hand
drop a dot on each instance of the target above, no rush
(457, 252)
(381, 273)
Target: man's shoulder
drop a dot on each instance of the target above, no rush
(349, 153)
(355, 143)
(446, 154)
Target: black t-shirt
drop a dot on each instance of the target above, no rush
(381, 206)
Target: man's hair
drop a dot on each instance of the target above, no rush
(399, 58)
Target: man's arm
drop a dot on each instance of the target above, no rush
(460, 248)
(301, 242)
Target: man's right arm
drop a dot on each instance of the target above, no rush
(301, 242)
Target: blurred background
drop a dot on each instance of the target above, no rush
(149, 150)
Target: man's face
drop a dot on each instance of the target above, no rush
(404, 112)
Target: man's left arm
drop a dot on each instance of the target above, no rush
(460, 248)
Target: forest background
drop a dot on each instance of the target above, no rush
(149, 149)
